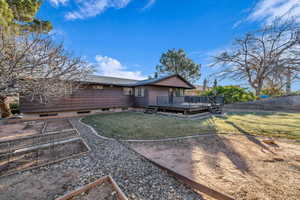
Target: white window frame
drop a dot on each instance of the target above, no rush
(179, 91)
(139, 92)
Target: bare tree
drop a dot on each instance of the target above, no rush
(267, 54)
(34, 66)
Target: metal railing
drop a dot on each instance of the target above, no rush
(189, 100)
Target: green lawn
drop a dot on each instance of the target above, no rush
(130, 125)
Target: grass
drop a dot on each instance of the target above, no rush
(284, 125)
(133, 125)
(130, 125)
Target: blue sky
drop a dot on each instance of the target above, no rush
(125, 38)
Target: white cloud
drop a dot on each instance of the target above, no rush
(149, 4)
(108, 66)
(270, 9)
(91, 8)
(58, 2)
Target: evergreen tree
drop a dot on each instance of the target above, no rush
(176, 61)
(21, 14)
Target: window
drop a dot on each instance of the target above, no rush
(179, 92)
(139, 92)
(127, 91)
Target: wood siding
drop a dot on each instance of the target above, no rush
(173, 82)
(90, 98)
(155, 91)
(83, 99)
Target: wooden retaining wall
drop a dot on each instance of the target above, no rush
(71, 195)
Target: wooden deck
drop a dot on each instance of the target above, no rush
(185, 109)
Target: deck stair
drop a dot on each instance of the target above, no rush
(215, 108)
(151, 110)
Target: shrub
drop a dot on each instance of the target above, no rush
(15, 108)
(231, 94)
(273, 92)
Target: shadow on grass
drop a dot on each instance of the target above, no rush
(262, 113)
(268, 123)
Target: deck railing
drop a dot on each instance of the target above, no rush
(188, 100)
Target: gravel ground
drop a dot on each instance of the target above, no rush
(138, 178)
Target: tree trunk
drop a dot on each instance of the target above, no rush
(258, 90)
(4, 108)
(289, 83)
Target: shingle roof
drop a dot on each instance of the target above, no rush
(108, 80)
(154, 80)
(127, 82)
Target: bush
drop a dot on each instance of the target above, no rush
(15, 108)
(273, 92)
(232, 94)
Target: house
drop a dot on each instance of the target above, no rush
(100, 93)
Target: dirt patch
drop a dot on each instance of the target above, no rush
(104, 191)
(44, 186)
(23, 129)
(9, 146)
(14, 131)
(242, 166)
(57, 125)
(12, 162)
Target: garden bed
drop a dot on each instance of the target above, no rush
(102, 189)
(37, 156)
(57, 125)
(13, 131)
(9, 146)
